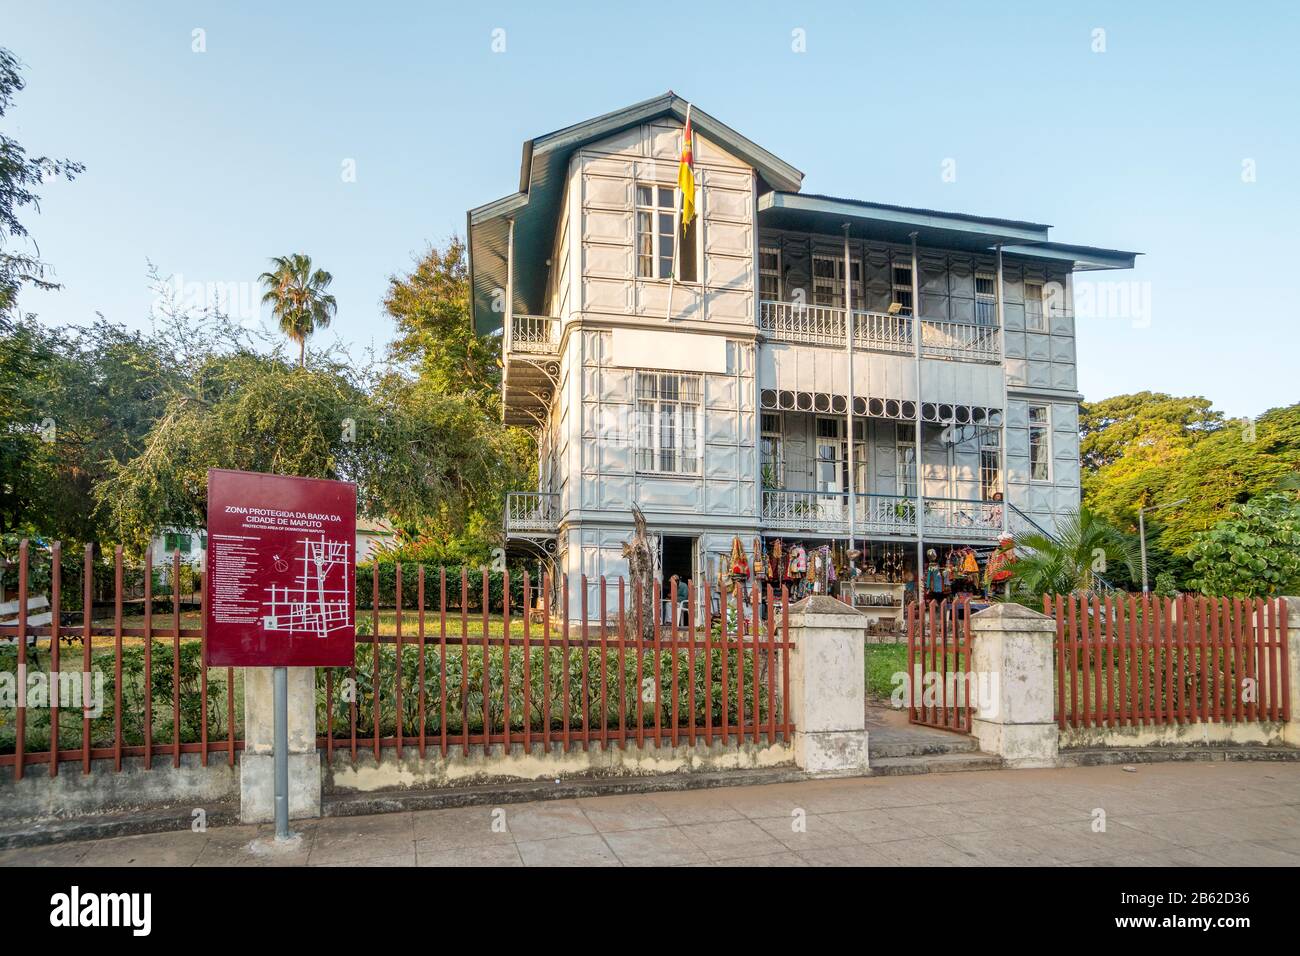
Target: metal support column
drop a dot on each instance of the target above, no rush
(280, 702)
(1002, 435)
(848, 411)
(916, 357)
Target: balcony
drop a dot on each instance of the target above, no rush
(532, 514)
(802, 324)
(943, 519)
(530, 368)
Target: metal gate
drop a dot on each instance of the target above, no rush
(940, 684)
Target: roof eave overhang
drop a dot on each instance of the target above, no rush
(1080, 258)
(865, 220)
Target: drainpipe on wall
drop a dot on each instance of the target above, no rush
(916, 356)
(848, 412)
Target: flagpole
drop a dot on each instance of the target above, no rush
(677, 218)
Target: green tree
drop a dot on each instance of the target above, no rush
(1150, 448)
(435, 337)
(20, 175)
(1085, 548)
(299, 298)
(71, 403)
(1253, 553)
(1155, 421)
(243, 410)
(447, 372)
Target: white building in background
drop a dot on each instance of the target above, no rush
(730, 413)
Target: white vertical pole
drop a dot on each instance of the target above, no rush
(510, 278)
(916, 359)
(1002, 435)
(677, 218)
(848, 412)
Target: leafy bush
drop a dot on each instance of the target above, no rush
(1255, 553)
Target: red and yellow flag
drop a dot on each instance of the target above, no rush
(686, 172)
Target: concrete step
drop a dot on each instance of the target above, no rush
(883, 745)
(934, 763)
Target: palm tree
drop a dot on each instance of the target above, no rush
(1085, 548)
(299, 298)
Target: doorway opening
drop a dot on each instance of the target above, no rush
(678, 559)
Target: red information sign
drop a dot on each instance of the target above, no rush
(281, 560)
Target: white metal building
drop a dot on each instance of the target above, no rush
(729, 413)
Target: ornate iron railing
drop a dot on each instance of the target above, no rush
(538, 334)
(532, 512)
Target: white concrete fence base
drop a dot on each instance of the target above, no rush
(257, 765)
(828, 687)
(1013, 646)
(1012, 657)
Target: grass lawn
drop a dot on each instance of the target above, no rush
(883, 661)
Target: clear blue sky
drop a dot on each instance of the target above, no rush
(208, 163)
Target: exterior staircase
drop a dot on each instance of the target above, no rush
(897, 747)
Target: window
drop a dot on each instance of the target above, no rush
(177, 539)
(1035, 321)
(901, 283)
(655, 231)
(905, 463)
(986, 299)
(668, 409)
(832, 465)
(1040, 443)
(828, 281)
(769, 450)
(769, 274)
(990, 463)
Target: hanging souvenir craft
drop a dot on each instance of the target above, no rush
(969, 563)
(798, 561)
(739, 563)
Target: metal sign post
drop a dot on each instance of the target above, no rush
(281, 752)
(281, 559)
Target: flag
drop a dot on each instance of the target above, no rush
(686, 172)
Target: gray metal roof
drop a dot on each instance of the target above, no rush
(543, 172)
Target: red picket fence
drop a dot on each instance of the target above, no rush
(429, 674)
(178, 682)
(1127, 660)
(938, 665)
(615, 675)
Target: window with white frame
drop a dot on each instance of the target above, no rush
(1040, 443)
(1035, 319)
(990, 463)
(769, 273)
(656, 216)
(668, 423)
(901, 288)
(986, 299)
(905, 461)
(769, 450)
(828, 281)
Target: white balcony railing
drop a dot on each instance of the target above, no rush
(535, 334)
(951, 519)
(876, 331)
(944, 519)
(960, 340)
(532, 513)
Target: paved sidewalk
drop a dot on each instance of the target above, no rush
(1192, 814)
